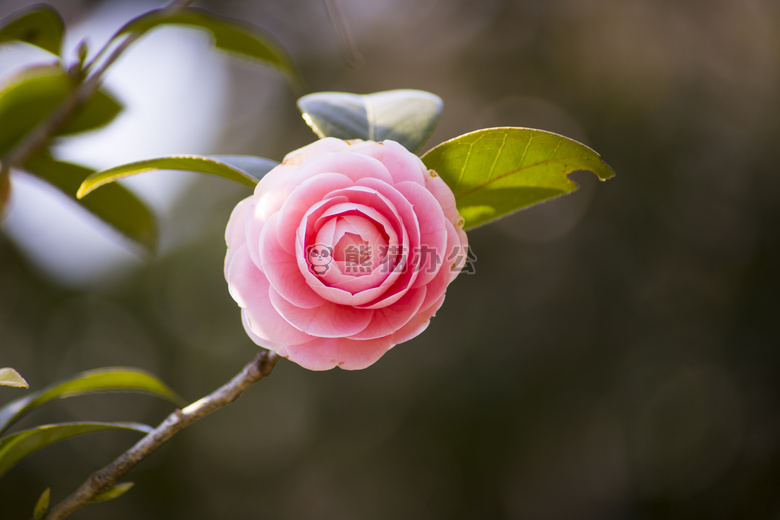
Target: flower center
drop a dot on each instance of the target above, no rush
(354, 254)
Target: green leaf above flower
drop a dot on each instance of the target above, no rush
(39, 25)
(244, 169)
(406, 116)
(497, 171)
(229, 35)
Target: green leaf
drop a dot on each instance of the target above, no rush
(10, 377)
(406, 116)
(116, 205)
(229, 35)
(496, 171)
(39, 25)
(42, 505)
(14, 448)
(254, 167)
(115, 491)
(100, 380)
(244, 169)
(32, 95)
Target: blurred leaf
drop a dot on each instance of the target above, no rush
(17, 446)
(229, 35)
(10, 377)
(116, 205)
(32, 95)
(42, 505)
(244, 169)
(39, 25)
(406, 116)
(96, 113)
(496, 171)
(115, 491)
(100, 380)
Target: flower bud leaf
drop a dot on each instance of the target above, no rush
(496, 171)
(113, 379)
(406, 116)
(116, 205)
(229, 35)
(40, 25)
(42, 505)
(17, 446)
(244, 169)
(115, 491)
(10, 377)
(32, 95)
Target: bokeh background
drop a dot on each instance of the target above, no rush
(615, 356)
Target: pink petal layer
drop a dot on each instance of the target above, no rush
(328, 320)
(326, 145)
(283, 270)
(388, 320)
(250, 288)
(433, 232)
(235, 233)
(419, 323)
(279, 349)
(353, 165)
(444, 195)
(349, 354)
(334, 285)
(309, 193)
(402, 165)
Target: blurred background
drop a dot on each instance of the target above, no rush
(615, 356)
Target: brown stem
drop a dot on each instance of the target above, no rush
(103, 479)
(39, 138)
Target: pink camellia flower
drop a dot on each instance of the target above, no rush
(344, 250)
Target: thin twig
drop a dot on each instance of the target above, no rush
(349, 50)
(87, 87)
(105, 478)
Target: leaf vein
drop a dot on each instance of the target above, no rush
(511, 172)
(495, 161)
(465, 163)
(527, 145)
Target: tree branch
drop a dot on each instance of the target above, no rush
(77, 97)
(103, 479)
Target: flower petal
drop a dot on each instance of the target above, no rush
(419, 323)
(387, 320)
(301, 200)
(433, 232)
(328, 320)
(402, 164)
(349, 354)
(283, 269)
(250, 288)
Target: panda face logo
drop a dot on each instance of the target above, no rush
(319, 257)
